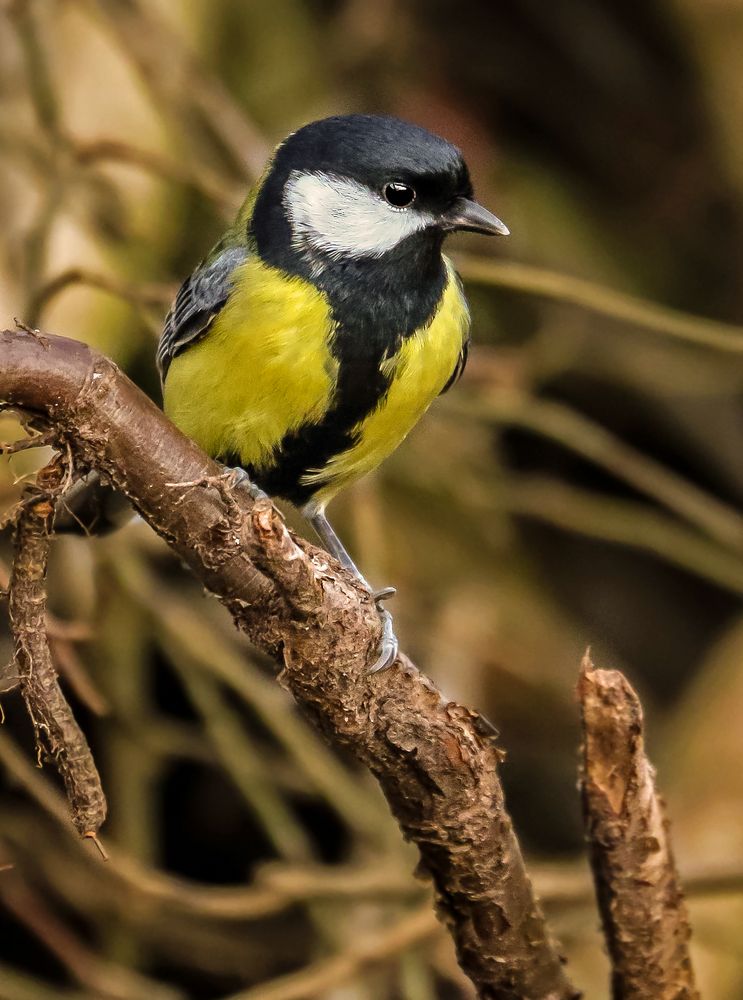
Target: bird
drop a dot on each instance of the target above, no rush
(309, 342)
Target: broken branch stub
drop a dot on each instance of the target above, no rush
(638, 888)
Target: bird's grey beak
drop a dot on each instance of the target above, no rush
(467, 214)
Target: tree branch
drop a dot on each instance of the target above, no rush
(55, 727)
(639, 892)
(439, 774)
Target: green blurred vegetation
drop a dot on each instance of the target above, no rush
(582, 485)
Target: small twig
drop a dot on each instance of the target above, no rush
(25, 444)
(180, 82)
(275, 888)
(559, 287)
(223, 483)
(62, 636)
(638, 888)
(316, 979)
(11, 515)
(32, 331)
(187, 640)
(106, 979)
(249, 771)
(42, 87)
(28, 20)
(68, 631)
(598, 444)
(623, 522)
(52, 718)
(140, 296)
(70, 667)
(99, 846)
(207, 182)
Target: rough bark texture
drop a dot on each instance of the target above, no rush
(56, 729)
(438, 772)
(642, 906)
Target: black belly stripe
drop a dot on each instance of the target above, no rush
(361, 385)
(375, 304)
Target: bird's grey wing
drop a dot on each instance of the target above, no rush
(458, 368)
(198, 302)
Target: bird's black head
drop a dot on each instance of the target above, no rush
(361, 187)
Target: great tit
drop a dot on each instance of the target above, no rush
(324, 323)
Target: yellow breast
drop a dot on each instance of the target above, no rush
(419, 371)
(263, 369)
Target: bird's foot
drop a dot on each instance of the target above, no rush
(241, 478)
(388, 645)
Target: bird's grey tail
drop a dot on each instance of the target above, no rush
(92, 507)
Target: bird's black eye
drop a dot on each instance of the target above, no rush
(398, 194)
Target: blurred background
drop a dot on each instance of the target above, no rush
(582, 485)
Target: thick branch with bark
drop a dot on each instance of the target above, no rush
(638, 888)
(437, 770)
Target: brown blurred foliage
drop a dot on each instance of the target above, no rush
(582, 485)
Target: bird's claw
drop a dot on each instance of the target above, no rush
(384, 594)
(388, 646)
(242, 479)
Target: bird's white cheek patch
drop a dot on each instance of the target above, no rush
(343, 218)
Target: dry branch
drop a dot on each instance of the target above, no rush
(62, 636)
(439, 774)
(638, 888)
(56, 730)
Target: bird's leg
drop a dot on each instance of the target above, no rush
(389, 645)
(336, 548)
